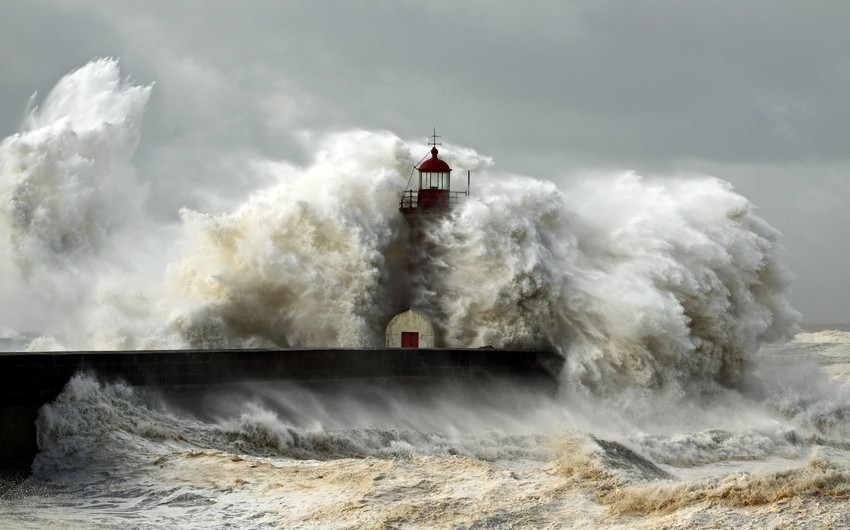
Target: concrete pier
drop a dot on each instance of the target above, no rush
(29, 380)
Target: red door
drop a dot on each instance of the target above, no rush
(409, 339)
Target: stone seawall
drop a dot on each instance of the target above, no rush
(29, 380)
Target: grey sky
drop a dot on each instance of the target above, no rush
(756, 93)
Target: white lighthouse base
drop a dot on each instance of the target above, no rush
(410, 329)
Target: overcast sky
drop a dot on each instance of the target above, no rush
(756, 93)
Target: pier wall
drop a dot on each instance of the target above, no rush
(29, 380)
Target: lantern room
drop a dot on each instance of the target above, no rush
(434, 174)
(433, 195)
(434, 182)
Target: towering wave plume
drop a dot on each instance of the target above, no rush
(640, 283)
(67, 187)
(67, 178)
(312, 261)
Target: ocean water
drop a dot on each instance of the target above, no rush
(775, 455)
(690, 396)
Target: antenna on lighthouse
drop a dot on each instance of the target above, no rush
(434, 137)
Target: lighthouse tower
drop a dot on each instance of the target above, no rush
(432, 200)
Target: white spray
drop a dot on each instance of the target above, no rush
(639, 283)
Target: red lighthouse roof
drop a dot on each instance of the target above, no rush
(434, 164)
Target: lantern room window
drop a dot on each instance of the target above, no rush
(434, 180)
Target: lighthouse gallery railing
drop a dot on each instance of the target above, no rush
(410, 199)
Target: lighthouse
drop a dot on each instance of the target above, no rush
(422, 206)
